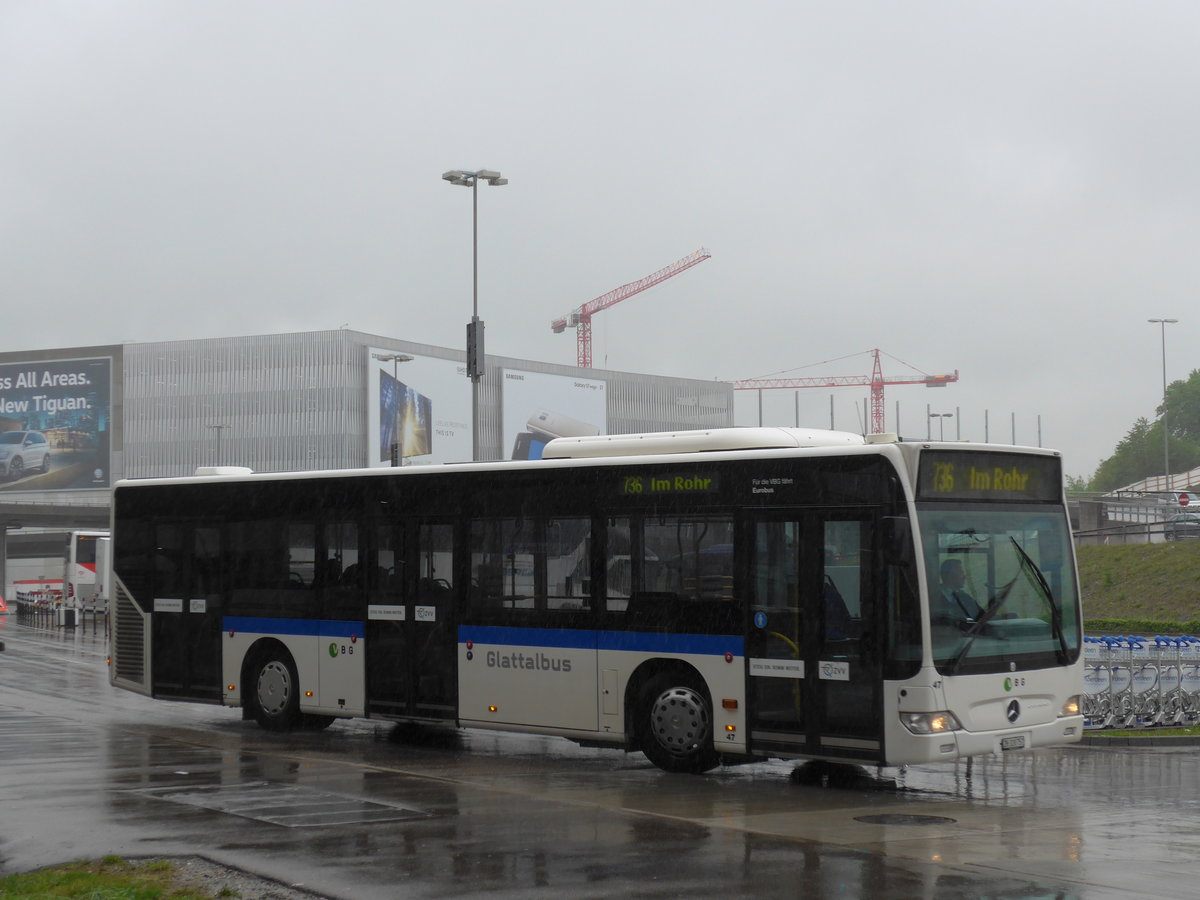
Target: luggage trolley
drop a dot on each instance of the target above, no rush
(1147, 704)
(1189, 678)
(1097, 684)
(1170, 691)
(1121, 688)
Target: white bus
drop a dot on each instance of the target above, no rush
(55, 568)
(701, 597)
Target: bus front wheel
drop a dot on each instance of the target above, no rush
(276, 692)
(676, 724)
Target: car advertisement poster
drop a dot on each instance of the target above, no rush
(418, 407)
(538, 407)
(55, 425)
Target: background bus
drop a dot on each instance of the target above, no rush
(774, 595)
(59, 568)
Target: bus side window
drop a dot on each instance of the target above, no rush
(344, 577)
(619, 563)
(841, 590)
(566, 555)
(273, 567)
(168, 561)
(686, 575)
(386, 583)
(206, 563)
(502, 565)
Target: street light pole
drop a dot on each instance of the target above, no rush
(941, 417)
(475, 354)
(1163, 323)
(219, 429)
(395, 359)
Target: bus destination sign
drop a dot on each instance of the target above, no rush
(660, 483)
(967, 475)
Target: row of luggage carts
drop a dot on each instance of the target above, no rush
(1141, 682)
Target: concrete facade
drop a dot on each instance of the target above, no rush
(297, 402)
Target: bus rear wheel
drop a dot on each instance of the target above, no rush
(676, 724)
(276, 692)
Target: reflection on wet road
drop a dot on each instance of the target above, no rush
(367, 809)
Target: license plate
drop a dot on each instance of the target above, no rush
(1016, 742)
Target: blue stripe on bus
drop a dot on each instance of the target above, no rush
(303, 627)
(586, 639)
(652, 642)
(566, 639)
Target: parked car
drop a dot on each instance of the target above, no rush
(1182, 527)
(23, 451)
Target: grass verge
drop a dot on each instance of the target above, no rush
(110, 878)
(1190, 731)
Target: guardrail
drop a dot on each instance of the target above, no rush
(1131, 681)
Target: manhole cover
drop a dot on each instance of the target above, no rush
(902, 819)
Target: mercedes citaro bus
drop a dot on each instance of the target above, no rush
(701, 596)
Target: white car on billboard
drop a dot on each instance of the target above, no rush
(22, 452)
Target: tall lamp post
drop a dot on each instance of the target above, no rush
(395, 359)
(475, 356)
(1162, 324)
(219, 429)
(941, 417)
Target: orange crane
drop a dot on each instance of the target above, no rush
(876, 380)
(580, 318)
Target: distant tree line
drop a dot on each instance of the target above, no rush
(1139, 454)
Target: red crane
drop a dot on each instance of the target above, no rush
(580, 318)
(876, 380)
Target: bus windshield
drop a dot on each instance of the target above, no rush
(1002, 591)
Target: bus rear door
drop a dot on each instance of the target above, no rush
(186, 622)
(410, 623)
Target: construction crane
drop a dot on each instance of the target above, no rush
(580, 318)
(876, 380)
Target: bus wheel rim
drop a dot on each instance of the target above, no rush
(679, 720)
(274, 687)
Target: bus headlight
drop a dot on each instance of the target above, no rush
(930, 723)
(1071, 707)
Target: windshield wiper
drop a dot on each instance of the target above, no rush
(1056, 625)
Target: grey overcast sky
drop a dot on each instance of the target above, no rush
(1008, 188)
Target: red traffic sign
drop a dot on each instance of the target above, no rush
(1184, 499)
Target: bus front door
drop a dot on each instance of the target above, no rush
(410, 624)
(813, 677)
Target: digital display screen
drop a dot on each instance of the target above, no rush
(970, 475)
(662, 483)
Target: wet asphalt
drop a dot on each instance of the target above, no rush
(371, 810)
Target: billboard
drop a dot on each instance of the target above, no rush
(55, 424)
(538, 407)
(422, 406)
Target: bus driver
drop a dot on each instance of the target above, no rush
(957, 606)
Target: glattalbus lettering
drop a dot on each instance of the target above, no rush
(539, 662)
(998, 479)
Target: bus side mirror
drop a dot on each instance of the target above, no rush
(896, 539)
